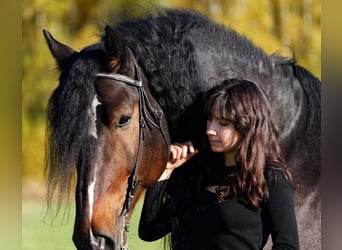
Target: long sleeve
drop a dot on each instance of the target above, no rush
(279, 213)
(154, 221)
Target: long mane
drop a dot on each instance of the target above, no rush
(168, 47)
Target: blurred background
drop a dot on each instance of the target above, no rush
(274, 25)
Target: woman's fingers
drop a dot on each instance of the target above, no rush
(180, 153)
(187, 149)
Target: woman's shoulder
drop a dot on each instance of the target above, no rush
(274, 174)
(274, 168)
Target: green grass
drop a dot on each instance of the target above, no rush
(39, 235)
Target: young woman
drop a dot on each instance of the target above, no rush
(236, 202)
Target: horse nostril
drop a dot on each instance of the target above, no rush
(104, 242)
(101, 242)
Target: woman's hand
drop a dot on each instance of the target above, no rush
(179, 154)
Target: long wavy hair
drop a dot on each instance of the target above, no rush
(243, 103)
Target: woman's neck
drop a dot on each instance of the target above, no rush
(229, 159)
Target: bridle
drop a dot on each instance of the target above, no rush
(145, 120)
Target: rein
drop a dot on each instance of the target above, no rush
(144, 119)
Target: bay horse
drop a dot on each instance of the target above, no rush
(121, 101)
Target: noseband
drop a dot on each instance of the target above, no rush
(144, 119)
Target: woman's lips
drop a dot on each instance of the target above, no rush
(214, 141)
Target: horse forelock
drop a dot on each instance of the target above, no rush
(71, 124)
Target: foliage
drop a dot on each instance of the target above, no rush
(286, 26)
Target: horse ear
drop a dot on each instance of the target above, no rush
(113, 42)
(59, 51)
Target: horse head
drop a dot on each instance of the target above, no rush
(118, 138)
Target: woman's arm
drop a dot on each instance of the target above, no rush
(154, 222)
(279, 213)
(155, 219)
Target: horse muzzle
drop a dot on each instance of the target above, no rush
(100, 241)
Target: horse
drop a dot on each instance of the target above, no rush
(121, 101)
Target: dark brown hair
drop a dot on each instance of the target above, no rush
(243, 103)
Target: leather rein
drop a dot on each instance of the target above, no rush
(145, 108)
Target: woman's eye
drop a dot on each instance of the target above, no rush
(223, 122)
(124, 121)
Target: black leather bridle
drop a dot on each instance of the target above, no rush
(145, 108)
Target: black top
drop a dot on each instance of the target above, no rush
(228, 225)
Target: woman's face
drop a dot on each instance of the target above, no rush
(222, 135)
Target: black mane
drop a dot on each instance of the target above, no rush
(169, 47)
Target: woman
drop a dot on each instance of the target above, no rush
(234, 203)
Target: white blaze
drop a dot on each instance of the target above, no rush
(92, 113)
(91, 193)
(92, 131)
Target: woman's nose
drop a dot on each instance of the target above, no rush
(210, 129)
(211, 132)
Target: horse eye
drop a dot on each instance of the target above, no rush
(124, 121)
